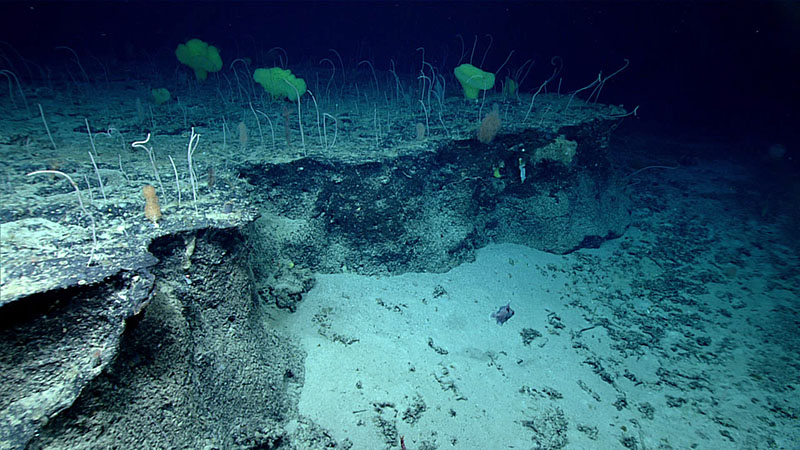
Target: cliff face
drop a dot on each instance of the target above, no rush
(199, 366)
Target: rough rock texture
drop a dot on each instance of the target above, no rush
(429, 211)
(53, 343)
(201, 368)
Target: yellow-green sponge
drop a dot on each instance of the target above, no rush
(280, 83)
(200, 56)
(473, 80)
(160, 95)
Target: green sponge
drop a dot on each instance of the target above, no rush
(160, 95)
(200, 56)
(280, 83)
(473, 80)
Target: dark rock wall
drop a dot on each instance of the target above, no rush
(54, 343)
(199, 368)
(429, 211)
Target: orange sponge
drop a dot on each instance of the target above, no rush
(152, 211)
